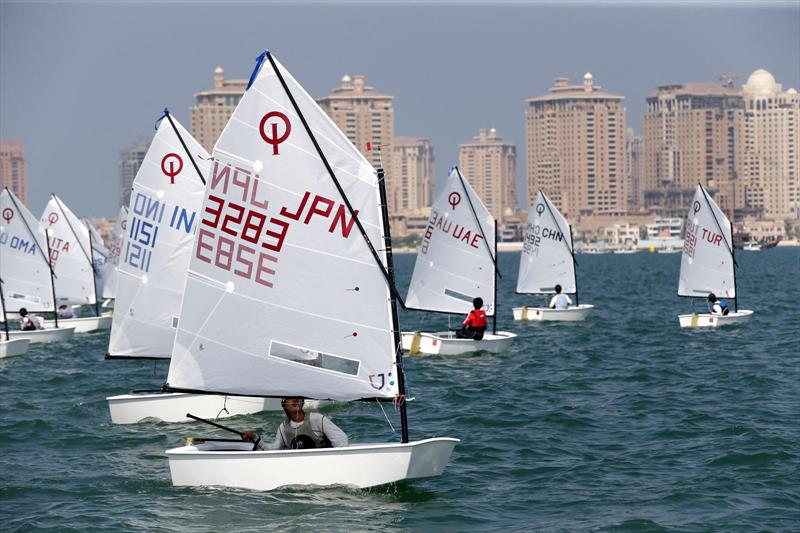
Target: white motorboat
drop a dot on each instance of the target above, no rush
(446, 343)
(708, 320)
(547, 264)
(173, 406)
(288, 332)
(9, 348)
(708, 263)
(362, 465)
(83, 324)
(570, 314)
(456, 264)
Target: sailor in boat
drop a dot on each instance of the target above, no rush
(302, 430)
(716, 306)
(475, 324)
(29, 322)
(65, 311)
(560, 301)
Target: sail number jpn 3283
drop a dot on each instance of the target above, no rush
(240, 236)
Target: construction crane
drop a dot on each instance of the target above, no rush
(729, 78)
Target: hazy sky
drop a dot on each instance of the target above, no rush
(81, 81)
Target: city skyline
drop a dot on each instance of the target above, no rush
(445, 85)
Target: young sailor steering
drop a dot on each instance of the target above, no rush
(302, 430)
(717, 306)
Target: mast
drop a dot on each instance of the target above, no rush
(94, 274)
(735, 292)
(3, 305)
(494, 299)
(387, 242)
(52, 281)
(574, 267)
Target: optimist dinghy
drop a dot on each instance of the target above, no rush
(314, 315)
(8, 346)
(547, 260)
(167, 193)
(72, 255)
(456, 263)
(110, 275)
(708, 264)
(25, 270)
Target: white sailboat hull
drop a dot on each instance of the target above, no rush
(13, 347)
(446, 343)
(706, 320)
(172, 407)
(81, 325)
(37, 336)
(233, 464)
(571, 314)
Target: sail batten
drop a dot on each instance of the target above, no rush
(155, 248)
(453, 265)
(546, 259)
(707, 263)
(285, 296)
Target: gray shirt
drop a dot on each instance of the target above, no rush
(320, 424)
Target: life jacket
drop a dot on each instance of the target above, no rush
(723, 306)
(303, 436)
(476, 319)
(28, 324)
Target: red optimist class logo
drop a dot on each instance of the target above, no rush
(275, 139)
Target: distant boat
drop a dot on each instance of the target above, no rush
(547, 260)
(751, 247)
(626, 251)
(708, 264)
(668, 250)
(75, 263)
(111, 268)
(456, 263)
(26, 272)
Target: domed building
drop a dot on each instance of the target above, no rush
(767, 147)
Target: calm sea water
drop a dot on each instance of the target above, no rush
(622, 423)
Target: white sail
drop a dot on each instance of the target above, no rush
(284, 296)
(455, 263)
(100, 256)
(110, 275)
(707, 260)
(154, 255)
(546, 259)
(69, 254)
(24, 266)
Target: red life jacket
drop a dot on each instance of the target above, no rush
(476, 318)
